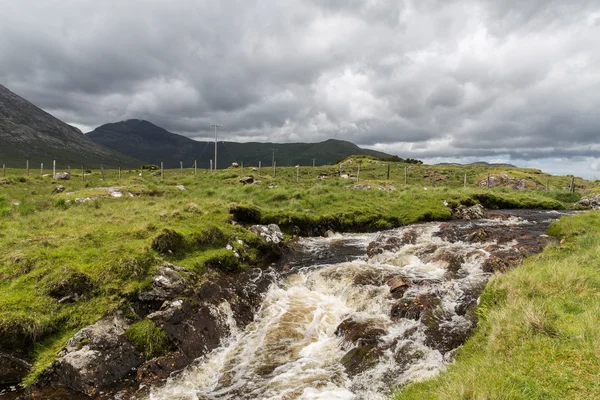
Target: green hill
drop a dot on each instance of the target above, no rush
(152, 144)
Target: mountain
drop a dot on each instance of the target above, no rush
(29, 133)
(485, 164)
(152, 144)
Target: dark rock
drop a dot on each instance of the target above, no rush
(453, 261)
(360, 332)
(502, 261)
(97, 356)
(391, 243)
(398, 286)
(247, 180)
(360, 358)
(414, 308)
(58, 189)
(12, 369)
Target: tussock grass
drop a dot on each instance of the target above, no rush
(538, 335)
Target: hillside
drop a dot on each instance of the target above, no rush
(152, 144)
(28, 132)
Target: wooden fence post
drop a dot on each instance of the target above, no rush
(465, 183)
(102, 169)
(27, 167)
(119, 173)
(405, 175)
(211, 167)
(388, 172)
(358, 173)
(488, 181)
(41, 169)
(259, 165)
(297, 173)
(69, 171)
(53, 169)
(181, 166)
(162, 170)
(274, 169)
(340, 171)
(82, 174)
(195, 167)
(4, 170)
(572, 184)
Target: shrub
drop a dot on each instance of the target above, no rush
(210, 236)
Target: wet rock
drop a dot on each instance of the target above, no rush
(167, 284)
(271, 233)
(160, 368)
(193, 330)
(360, 358)
(247, 180)
(592, 202)
(360, 332)
(12, 369)
(58, 189)
(480, 235)
(398, 286)
(414, 308)
(391, 243)
(370, 276)
(445, 335)
(502, 261)
(453, 261)
(97, 356)
(468, 213)
(63, 176)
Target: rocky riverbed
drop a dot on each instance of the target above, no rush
(343, 317)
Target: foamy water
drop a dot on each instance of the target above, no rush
(291, 350)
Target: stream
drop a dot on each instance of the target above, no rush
(355, 315)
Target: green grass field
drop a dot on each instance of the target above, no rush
(53, 244)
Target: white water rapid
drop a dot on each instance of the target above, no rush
(292, 351)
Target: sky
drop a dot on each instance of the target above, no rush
(444, 81)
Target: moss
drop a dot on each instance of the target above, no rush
(148, 338)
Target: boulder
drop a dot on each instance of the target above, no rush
(271, 233)
(398, 286)
(97, 356)
(468, 213)
(63, 176)
(166, 285)
(360, 332)
(592, 202)
(452, 260)
(361, 358)
(391, 243)
(502, 261)
(12, 369)
(247, 180)
(414, 308)
(58, 189)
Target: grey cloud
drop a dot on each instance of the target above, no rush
(429, 78)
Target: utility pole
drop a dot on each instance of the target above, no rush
(217, 126)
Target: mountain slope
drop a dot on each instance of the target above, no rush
(29, 133)
(147, 142)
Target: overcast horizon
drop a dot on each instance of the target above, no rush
(443, 81)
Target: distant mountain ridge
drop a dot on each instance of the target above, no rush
(29, 133)
(145, 141)
(483, 163)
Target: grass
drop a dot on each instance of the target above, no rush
(148, 338)
(538, 335)
(107, 249)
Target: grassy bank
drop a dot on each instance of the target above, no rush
(538, 335)
(106, 249)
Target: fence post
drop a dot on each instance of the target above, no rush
(162, 170)
(465, 184)
(4, 170)
(195, 167)
(340, 171)
(314, 162)
(102, 169)
(388, 172)
(274, 169)
(488, 181)
(41, 169)
(69, 170)
(358, 173)
(181, 166)
(572, 184)
(297, 173)
(82, 174)
(53, 169)
(211, 168)
(27, 167)
(259, 165)
(405, 175)
(119, 173)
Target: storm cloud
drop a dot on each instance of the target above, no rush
(440, 80)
